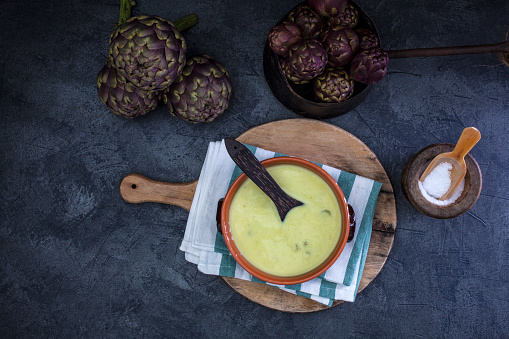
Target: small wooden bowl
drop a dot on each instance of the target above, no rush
(300, 98)
(286, 280)
(416, 166)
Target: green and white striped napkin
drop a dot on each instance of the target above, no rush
(205, 247)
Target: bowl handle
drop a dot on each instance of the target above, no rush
(351, 214)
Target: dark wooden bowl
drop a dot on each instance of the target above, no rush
(416, 166)
(299, 98)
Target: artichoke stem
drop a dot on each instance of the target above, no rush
(186, 22)
(125, 11)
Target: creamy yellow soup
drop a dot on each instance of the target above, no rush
(308, 234)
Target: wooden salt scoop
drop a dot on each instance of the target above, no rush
(255, 171)
(469, 137)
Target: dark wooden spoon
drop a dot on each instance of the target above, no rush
(255, 171)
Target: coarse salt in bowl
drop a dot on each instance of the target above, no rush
(462, 199)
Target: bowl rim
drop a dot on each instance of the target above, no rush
(315, 272)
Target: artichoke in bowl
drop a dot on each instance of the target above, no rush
(367, 39)
(327, 7)
(122, 97)
(310, 22)
(148, 51)
(306, 60)
(282, 36)
(341, 44)
(369, 65)
(333, 85)
(348, 17)
(201, 93)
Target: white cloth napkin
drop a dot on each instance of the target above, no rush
(205, 247)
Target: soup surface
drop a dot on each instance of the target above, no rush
(308, 234)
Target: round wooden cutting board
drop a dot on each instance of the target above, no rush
(327, 144)
(308, 139)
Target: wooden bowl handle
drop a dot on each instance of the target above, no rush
(136, 188)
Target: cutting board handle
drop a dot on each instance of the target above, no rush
(136, 188)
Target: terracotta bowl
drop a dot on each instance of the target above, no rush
(299, 98)
(286, 280)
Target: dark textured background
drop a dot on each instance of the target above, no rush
(76, 260)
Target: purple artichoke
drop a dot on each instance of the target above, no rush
(201, 93)
(122, 97)
(341, 45)
(148, 51)
(327, 7)
(310, 22)
(369, 65)
(367, 39)
(348, 17)
(291, 73)
(306, 60)
(333, 85)
(282, 36)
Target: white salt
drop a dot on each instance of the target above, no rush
(438, 181)
(455, 195)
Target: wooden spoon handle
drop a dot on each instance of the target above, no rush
(502, 47)
(468, 138)
(136, 188)
(255, 171)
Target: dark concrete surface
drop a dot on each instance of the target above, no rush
(77, 261)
